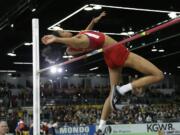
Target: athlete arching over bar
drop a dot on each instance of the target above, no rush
(116, 57)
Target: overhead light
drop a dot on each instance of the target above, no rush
(172, 15)
(88, 9)
(53, 70)
(154, 49)
(12, 25)
(143, 44)
(12, 54)
(23, 63)
(7, 71)
(161, 50)
(178, 67)
(131, 33)
(67, 56)
(91, 69)
(9, 74)
(97, 7)
(124, 33)
(59, 70)
(27, 44)
(33, 10)
(157, 39)
(50, 80)
(65, 77)
(76, 75)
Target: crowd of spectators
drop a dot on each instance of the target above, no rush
(79, 106)
(18, 96)
(74, 115)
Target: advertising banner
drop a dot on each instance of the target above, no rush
(76, 130)
(141, 129)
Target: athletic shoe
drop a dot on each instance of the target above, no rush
(99, 132)
(115, 98)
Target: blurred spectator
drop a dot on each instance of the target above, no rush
(148, 119)
(20, 127)
(3, 127)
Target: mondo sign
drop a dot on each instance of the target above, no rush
(76, 130)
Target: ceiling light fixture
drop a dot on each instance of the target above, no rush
(157, 39)
(154, 49)
(131, 46)
(12, 25)
(161, 50)
(131, 33)
(59, 70)
(76, 75)
(172, 15)
(9, 74)
(67, 56)
(7, 71)
(23, 63)
(95, 68)
(97, 7)
(33, 10)
(53, 70)
(27, 44)
(124, 33)
(88, 8)
(12, 54)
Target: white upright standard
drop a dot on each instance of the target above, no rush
(36, 77)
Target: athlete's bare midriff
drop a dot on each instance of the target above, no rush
(109, 41)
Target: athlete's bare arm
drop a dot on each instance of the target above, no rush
(78, 41)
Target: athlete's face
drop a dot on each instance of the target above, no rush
(65, 34)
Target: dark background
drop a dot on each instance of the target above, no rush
(18, 12)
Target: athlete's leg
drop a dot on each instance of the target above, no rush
(152, 73)
(115, 78)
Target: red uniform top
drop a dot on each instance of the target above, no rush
(96, 40)
(114, 56)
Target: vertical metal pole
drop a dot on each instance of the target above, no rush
(36, 77)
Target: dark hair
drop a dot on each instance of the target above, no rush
(52, 52)
(56, 33)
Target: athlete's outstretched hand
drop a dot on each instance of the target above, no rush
(96, 19)
(48, 39)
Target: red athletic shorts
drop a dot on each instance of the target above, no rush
(116, 56)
